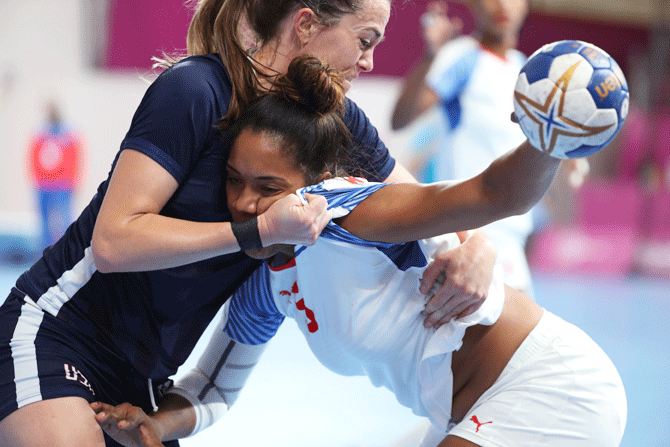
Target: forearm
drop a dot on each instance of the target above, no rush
(409, 104)
(208, 390)
(152, 242)
(516, 181)
(404, 212)
(175, 418)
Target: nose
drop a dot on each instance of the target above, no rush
(366, 62)
(246, 202)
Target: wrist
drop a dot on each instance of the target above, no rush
(247, 234)
(265, 232)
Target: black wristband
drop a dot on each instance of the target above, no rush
(247, 234)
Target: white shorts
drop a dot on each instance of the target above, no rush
(559, 389)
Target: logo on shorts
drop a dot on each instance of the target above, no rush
(479, 424)
(72, 373)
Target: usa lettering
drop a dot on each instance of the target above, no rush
(72, 373)
(592, 54)
(608, 85)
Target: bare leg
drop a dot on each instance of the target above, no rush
(455, 441)
(62, 422)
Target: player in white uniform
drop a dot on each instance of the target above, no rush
(471, 79)
(510, 374)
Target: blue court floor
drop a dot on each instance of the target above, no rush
(293, 401)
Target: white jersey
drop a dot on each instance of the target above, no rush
(358, 305)
(476, 87)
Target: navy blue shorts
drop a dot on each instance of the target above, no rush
(41, 358)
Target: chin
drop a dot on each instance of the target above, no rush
(262, 253)
(272, 250)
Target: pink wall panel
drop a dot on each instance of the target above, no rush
(140, 29)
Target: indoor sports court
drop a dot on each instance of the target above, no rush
(599, 254)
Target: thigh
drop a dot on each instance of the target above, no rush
(455, 441)
(37, 362)
(62, 422)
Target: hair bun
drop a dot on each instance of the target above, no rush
(312, 84)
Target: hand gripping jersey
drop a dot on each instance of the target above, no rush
(358, 305)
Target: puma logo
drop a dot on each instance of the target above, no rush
(479, 424)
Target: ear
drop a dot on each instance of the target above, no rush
(305, 24)
(325, 176)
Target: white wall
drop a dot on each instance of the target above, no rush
(43, 54)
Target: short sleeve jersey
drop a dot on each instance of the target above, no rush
(476, 87)
(153, 319)
(359, 307)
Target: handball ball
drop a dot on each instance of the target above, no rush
(570, 99)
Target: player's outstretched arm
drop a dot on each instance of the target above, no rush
(404, 212)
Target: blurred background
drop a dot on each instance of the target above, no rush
(600, 253)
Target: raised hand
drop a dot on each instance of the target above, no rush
(438, 28)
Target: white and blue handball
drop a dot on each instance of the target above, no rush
(571, 99)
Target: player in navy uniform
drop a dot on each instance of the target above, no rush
(114, 307)
(509, 374)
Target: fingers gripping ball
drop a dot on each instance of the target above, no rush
(571, 99)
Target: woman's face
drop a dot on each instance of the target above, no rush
(259, 174)
(349, 45)
(500, 18)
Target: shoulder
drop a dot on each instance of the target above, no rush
(194, 91)
(453, 65)
(342, 193)
(195, 76)
(195, 67)
(456, 50)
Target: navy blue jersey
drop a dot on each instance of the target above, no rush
(154, 318)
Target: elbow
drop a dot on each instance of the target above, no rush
(398, 122)
(104, 256)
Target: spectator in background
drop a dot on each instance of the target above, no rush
(471, 78)
(55, 160)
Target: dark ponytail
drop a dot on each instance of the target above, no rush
(304, 110)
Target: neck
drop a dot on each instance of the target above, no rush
(499, 45)
(273, 57)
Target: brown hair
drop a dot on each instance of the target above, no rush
(304, 111)
(215, 28)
